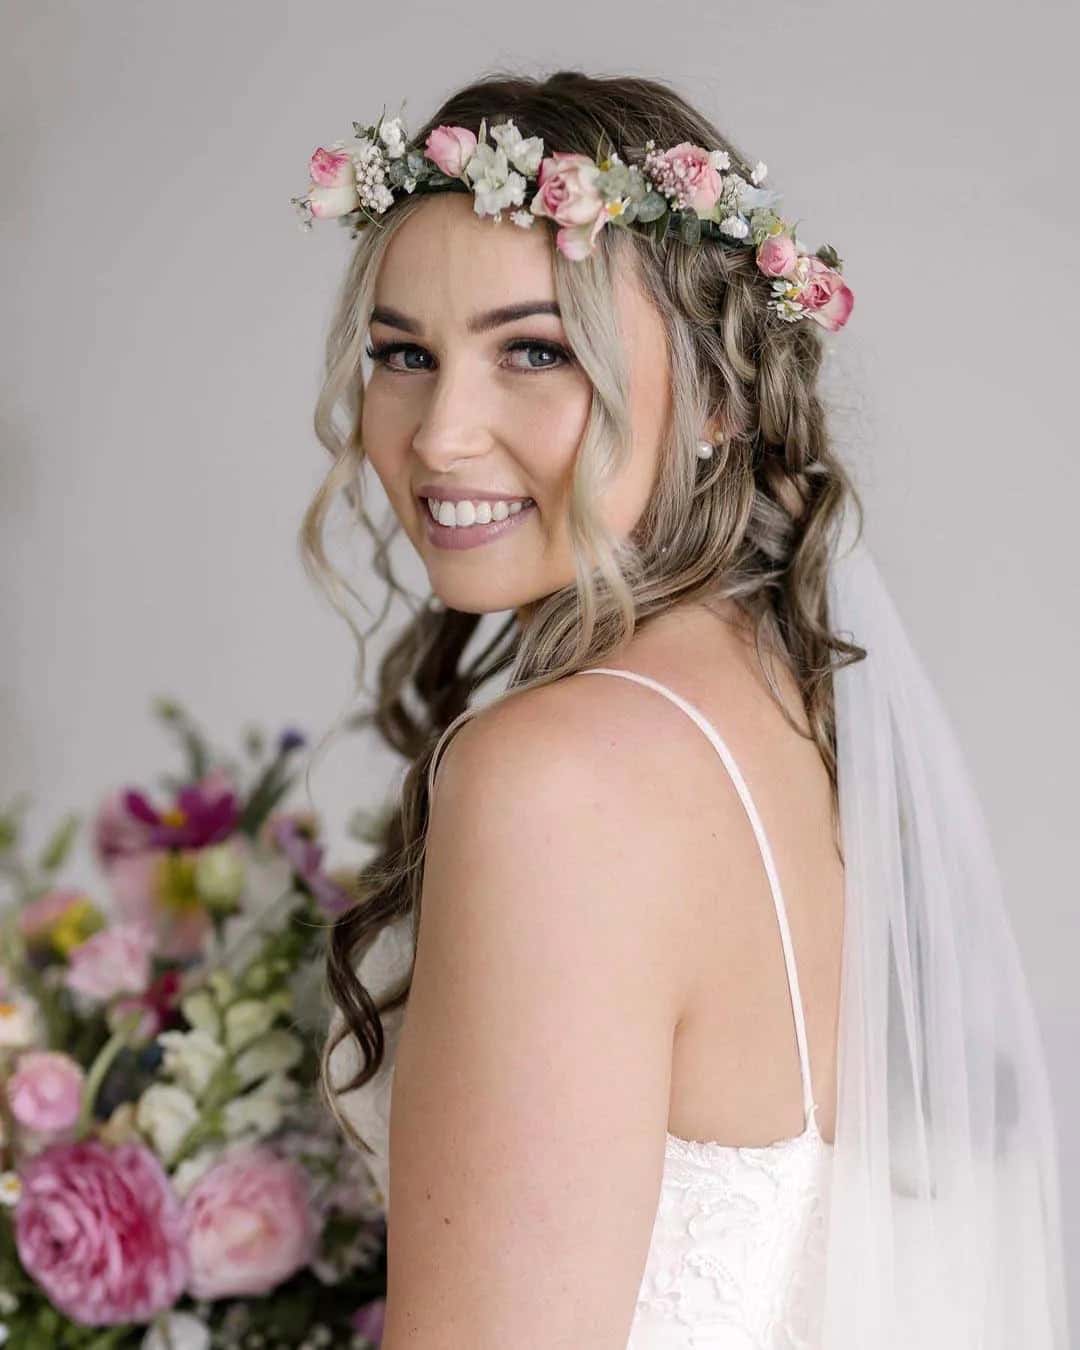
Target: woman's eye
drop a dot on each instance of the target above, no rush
(549, 356)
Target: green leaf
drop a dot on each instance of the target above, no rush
(829, 256)
(59, 845)
(652, 206)
(689, 228)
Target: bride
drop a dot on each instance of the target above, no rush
(692, 978)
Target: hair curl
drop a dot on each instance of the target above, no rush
(754, 524)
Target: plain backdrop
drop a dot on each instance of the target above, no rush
(162, 340)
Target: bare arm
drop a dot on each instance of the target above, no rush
(532, 1076)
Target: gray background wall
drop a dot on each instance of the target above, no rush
(162, 340)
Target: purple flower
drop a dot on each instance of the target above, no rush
(295, 839)
(369, 1320)
(201, 815)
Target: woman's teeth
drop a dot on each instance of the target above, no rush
(473, 513)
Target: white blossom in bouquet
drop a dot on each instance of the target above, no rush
(276, 1052)
(495, 185)
(261, 1111)
(392, 135)
(177, 1331)
(192, 1058)
(165, 1114)
(247, 1020)
(20, 1022)
(524, 153)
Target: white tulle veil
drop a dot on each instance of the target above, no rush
(944, 1230)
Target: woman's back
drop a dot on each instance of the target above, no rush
(734, 1256)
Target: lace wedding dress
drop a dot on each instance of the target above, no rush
(736, 1257)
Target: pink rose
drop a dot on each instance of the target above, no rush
(698, 182)
(567, 194)
(826, 296)
(251, 1224)
(450, 149)
(115, 961)
(45, 1091)
(102, 1232)
(776, 255)
(332, 190)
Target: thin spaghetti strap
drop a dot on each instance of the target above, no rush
(436, 754)
(718, 743)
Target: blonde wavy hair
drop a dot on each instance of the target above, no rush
(753, 524)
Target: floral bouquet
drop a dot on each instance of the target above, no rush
(170, 1177)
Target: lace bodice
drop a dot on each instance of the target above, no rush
(736, 1256)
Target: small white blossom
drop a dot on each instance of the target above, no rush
(760, 172)
(191, 1169)
(524, 154)
(408, 184)
(735, 226)
(246, 1020)
(20, 1022)
(10, 1188)
(191, 1057)
(720, 160)
(525, 219)
(201, 1011)
(495, 185)
(165, 1114)
(261, 1111)
(276, 1052)
(177, 1331)
(8, 1302)
(392, 135)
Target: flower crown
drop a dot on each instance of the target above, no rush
(688, 192)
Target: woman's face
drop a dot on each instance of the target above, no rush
(475, 401)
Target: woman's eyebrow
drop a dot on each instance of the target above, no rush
(479, 323)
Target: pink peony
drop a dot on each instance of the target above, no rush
(776, 255)
(102, 1232)
(826, 295)
(567, 194)
(450, 149)
(115, 961)
(45, 1091)
(692, 173)
(251, 1224)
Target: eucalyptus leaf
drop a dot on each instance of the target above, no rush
(689, 228)
(829, 256)
(651, 207)
(59, 845)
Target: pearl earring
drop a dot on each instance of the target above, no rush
(705, 449)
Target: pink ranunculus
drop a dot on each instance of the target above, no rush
(776, 255)
(698, 182)
(827, 297)
(450, 149)
(101, 1232)
(251, 1224)
(45, 1091)
(115, 961)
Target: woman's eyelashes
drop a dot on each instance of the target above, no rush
(555, 355)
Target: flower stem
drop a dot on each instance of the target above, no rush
(101, 1066)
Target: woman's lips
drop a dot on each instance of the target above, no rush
(470, 536)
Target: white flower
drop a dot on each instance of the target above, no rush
(166, 1113)
(408, 184)
(20, 1022)
(8, 1302)
(495, 185)
(720, 160)
(392, 135)
(191, 1169)
(201, 1011)
(261, 1111)
(759, 174)
(246, 1020)
(4, 1334)
(177, 1331)
(525, 219)
(524, 154)
(276, 1052)
(736, 226)
(191, 1057)
(10, 1188)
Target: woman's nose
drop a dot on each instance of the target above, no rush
(455, 420)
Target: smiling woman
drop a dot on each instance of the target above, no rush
(601, 969)
(487, 402)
